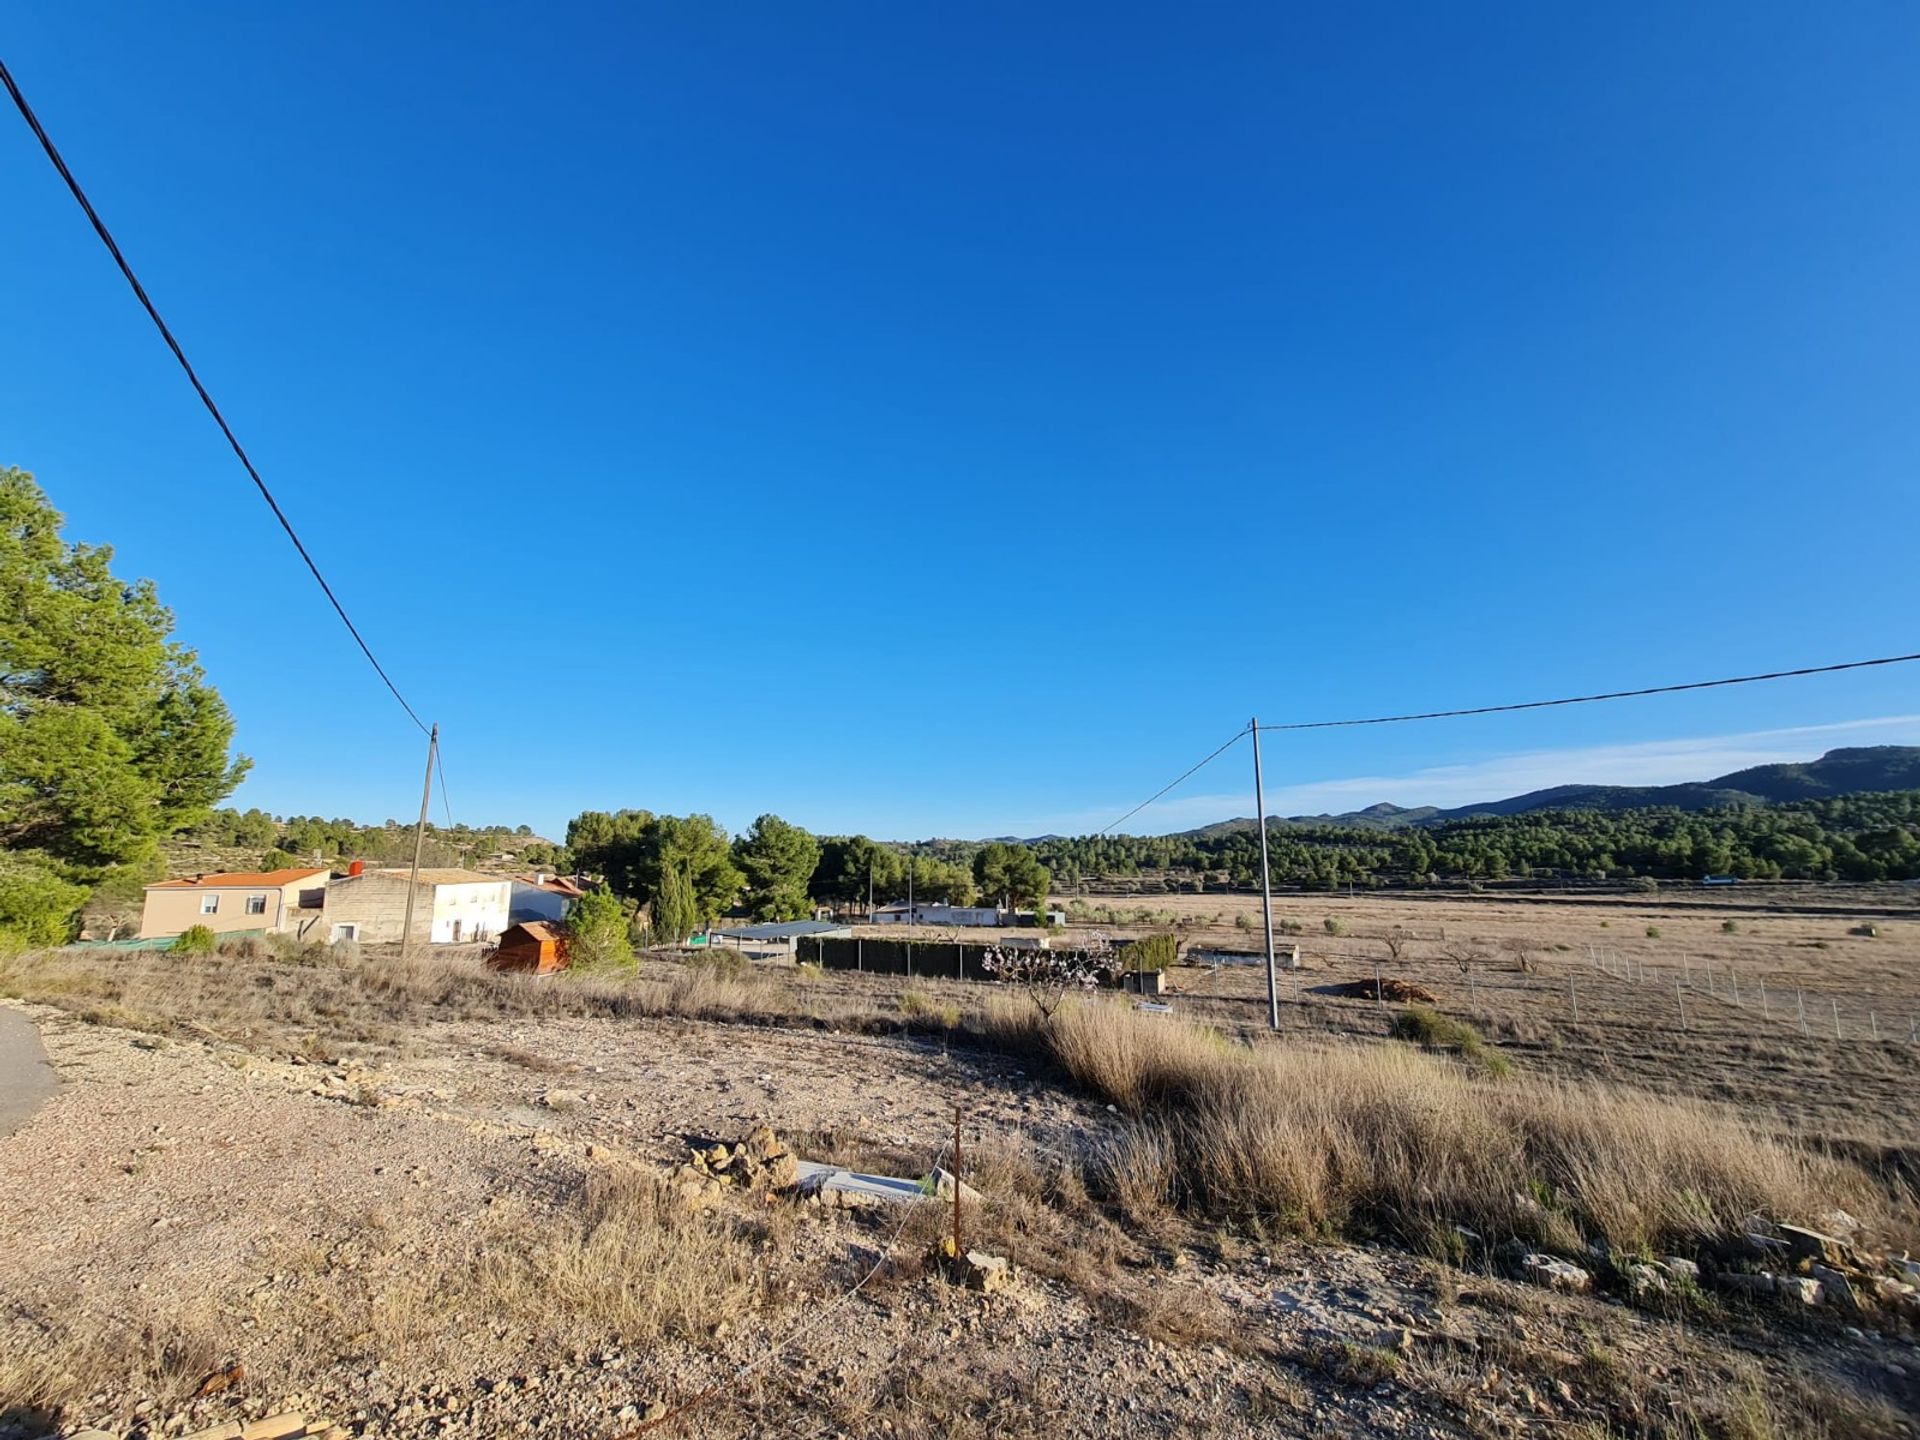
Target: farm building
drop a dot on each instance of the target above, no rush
(780, 937)
(532, 948)
(285, 901)
(450, 907)
(1285, 957)
(542, 897)
(938, 913)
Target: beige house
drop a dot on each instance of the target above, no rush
(450, 907)
(289, 901)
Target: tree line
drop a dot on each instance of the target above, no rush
(1855, 837)
(685, 872)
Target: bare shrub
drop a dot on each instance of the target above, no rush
(1522, 950)
(1397, 942)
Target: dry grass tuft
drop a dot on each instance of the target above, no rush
(1353, 1139)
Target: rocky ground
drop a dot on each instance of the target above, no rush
(406, 1244)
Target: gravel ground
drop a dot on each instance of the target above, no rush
(181, 1206)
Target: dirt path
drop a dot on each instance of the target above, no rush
(26, 1079)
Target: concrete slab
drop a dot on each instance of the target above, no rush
(26, 1079)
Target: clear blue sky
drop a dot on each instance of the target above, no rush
(956, 421)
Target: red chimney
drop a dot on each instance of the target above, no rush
(358, 867)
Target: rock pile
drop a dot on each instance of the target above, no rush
(1397, 992)
(760, 1163)
(1830, 1267)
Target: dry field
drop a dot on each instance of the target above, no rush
(1859, 1087)
(421, 1200)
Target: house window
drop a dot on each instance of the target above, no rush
(345, 932)
(209, 904)
(256, 904)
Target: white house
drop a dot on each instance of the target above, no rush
(450, 907)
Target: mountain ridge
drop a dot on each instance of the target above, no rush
(1846, 771)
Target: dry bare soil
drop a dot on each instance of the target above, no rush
(418, 1200)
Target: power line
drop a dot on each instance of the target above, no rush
(1521, 705)
(1590, 699)
(1178, 779)
(140, 293)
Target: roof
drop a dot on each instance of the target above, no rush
(534, 930)
(443, 877)
(242, 879)
(553, 884)
(784, 930)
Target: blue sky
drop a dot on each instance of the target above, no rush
(926, 421)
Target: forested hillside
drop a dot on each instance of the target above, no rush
(1856, 837)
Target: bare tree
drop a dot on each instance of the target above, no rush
(1396, 940)
(1466, 954)
(1049, 976)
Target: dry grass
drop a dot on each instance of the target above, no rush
(1346, 1139)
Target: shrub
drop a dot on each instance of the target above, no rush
(1289, 927)
(1151, 952)
(722, 963)
(194, 940)
(37, 907)
(1653, 932)
(1334, 927)
(1729, 927)
(919, 1005)
(278, 859)
(1646, 884)
(597, 934)
(1243, 921)
(1428, 1027)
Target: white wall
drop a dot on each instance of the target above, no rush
(481, 908)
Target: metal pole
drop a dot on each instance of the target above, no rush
(420, 839)
(1734, 975)
(1266, 887)
(1765, 1012)
(1573, 995)
(1834, 1001)
(1800, 1004)
(957, 1251)
(1680, 999)
(912, 917)
(1873, 1023)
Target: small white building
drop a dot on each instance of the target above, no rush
(940, 913)
(450, 907)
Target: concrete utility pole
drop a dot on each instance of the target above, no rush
(419, 839)
(1266, 886)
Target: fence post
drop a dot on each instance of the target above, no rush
(959, 960)
(1765, 1013)
(1685, 971)
(1379, 988)
(1800, 1004)
(1835, 1002)
(1680, 999)
(1573, 995)
(860, 954)
(1734, 976)
(1873, 1024)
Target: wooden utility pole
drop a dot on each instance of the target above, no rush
(1266, 886)
(419, 839)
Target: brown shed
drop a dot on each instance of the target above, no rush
(534, 948)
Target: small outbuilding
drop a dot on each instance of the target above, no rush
(781, 938)
(534, 948)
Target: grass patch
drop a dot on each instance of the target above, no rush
(1430, 1028)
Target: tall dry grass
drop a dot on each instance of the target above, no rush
(1352, 1139)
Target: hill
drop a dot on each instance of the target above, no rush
(1859, 770)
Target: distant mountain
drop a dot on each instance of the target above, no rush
(1838, 772)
